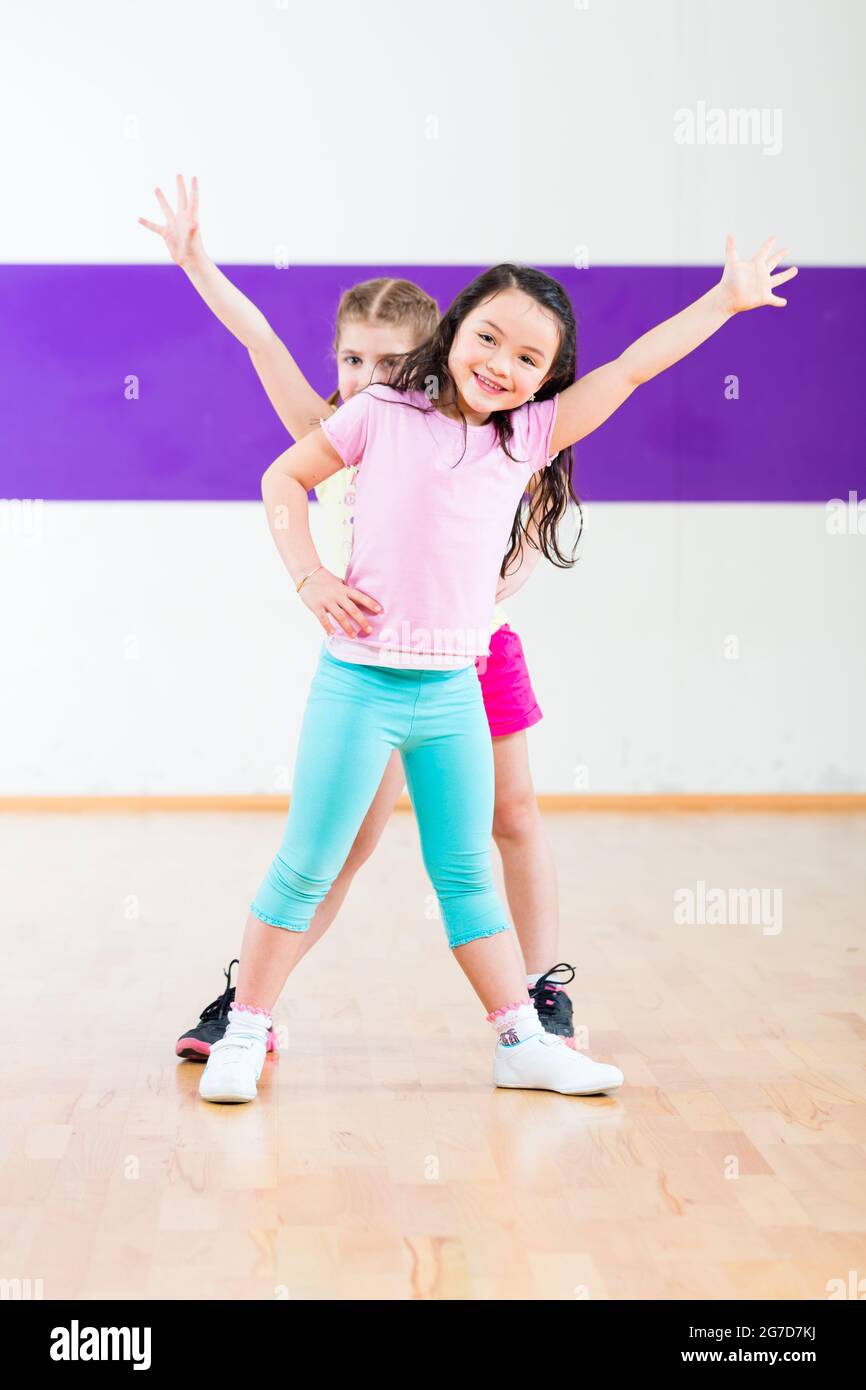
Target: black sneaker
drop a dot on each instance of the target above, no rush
(212, 1024)
(553, 1005)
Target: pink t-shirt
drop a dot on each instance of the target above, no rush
(431, 527)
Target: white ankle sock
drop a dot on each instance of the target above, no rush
(514, 1023)
(243, 1023)
(533, 979)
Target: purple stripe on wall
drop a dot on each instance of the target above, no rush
(202, 427)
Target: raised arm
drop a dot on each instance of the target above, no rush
(594, 397)
(284, 492)
(297, 404)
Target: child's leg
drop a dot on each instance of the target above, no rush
(527, 859)
(494, 967)
(518, 829)
(347, 736)
(449, 767)
(363, 846)
(449, 771)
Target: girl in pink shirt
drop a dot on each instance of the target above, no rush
(377, 322)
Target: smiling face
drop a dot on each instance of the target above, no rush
(502, 353)
(369, 352)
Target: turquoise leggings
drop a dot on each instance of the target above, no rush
(355, 716)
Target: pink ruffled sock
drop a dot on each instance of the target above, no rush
(515, 1022)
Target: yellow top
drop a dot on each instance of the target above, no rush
(337, 497)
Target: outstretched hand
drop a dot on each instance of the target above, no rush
(749, 284)
(181, 232)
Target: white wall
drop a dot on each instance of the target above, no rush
(308, 125)
(161, 648)
(157, 648)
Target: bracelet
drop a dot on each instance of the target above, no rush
(299, 587)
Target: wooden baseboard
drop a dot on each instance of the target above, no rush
(811, 803)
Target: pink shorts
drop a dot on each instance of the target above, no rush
(508, 695)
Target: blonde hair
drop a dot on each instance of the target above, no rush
(396, 302)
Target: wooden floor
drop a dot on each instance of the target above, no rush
(379, 1161)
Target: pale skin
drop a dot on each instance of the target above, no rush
(502, 354)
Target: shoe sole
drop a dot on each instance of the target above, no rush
(192, 1050)
(554, 1090)
(226, 1100)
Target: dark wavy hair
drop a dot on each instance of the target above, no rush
(427, 365)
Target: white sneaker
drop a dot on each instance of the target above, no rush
(545, 1062)
(233, 1068)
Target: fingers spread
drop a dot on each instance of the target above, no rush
(765, 248)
